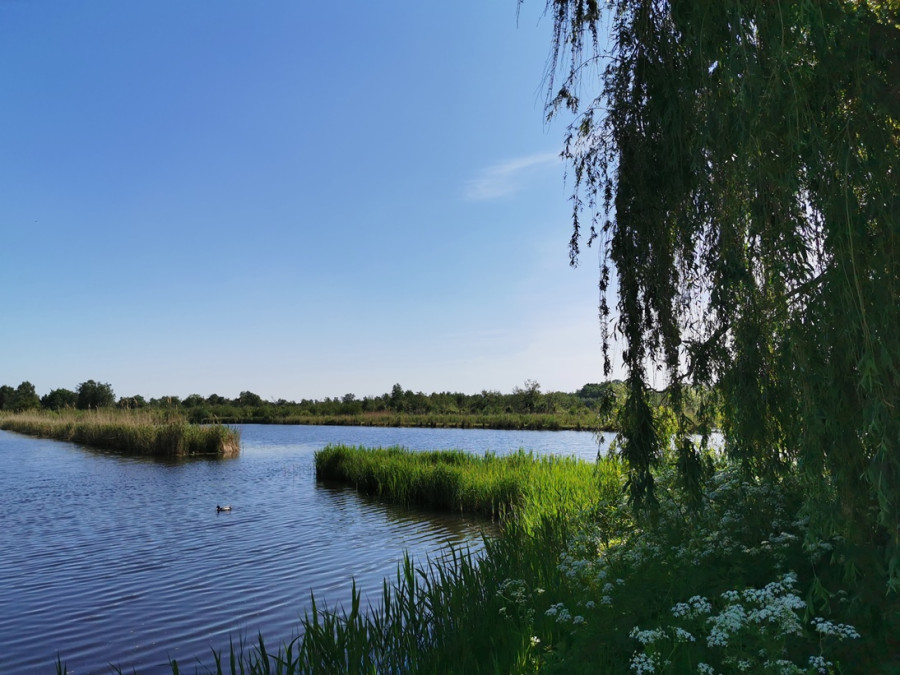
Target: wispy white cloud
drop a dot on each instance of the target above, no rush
(506, 178)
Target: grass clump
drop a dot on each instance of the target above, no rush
(521, 485)
(137, 433)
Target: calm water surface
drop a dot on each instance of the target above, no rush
(107, 560)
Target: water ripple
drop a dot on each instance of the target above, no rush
(112, 560)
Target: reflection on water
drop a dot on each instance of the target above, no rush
(124, 560)
(457, 528)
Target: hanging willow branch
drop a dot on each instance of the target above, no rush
(744, 181)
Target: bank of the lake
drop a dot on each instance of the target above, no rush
(731, 584)
(123, 560)
(538, 421)
(149, 434)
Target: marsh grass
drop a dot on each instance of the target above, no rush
(522, 486)
(734, 584)
(152, 434)
(560, 421)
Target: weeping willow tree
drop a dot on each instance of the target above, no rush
(738, 163)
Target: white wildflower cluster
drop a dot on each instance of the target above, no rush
(644, 663)
(696, 606)
(748, 633)
(681, 635)
(584, 546)
(646, 637)
(582, 565)
(574, 568)
(777, 545)
(644, 552)
(783, 667)
(579, 562)
(770, 609)
(563, 615)
(819, 664)
(818, 549)
(841, 631)
(782, 538)
(515, 594)
(726, 623)
(718, 542)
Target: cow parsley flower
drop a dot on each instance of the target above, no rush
(646, 636)
(841, 631)
(643, 663)
(820, 664)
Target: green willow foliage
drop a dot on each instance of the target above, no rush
(739, 163)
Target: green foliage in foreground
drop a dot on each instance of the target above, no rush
(520, 485)
(740, 160)
(736, 585)
(136, 434)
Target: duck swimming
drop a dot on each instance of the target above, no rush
(222, 508)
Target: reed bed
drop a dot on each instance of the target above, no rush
(702, 590)
(587, 421)
(135, 433)
(521, 485)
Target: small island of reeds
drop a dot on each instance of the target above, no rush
(142, 433)
(521, 485)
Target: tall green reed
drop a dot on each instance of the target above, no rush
(522, 485)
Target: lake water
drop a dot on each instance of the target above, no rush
(121, 561)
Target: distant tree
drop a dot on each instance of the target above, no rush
(131, 402)
(7, 395)
(248, 399)
(92, 395)
(594, 391)
(23, 397)
(59, 399)
(168, 402)
(554, 401)
(193, 400)
(215, 399)
(396, 397)
(417, 403)
(529, 396)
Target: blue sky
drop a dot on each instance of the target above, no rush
(298, 199)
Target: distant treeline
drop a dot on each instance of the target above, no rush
(594, 406)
